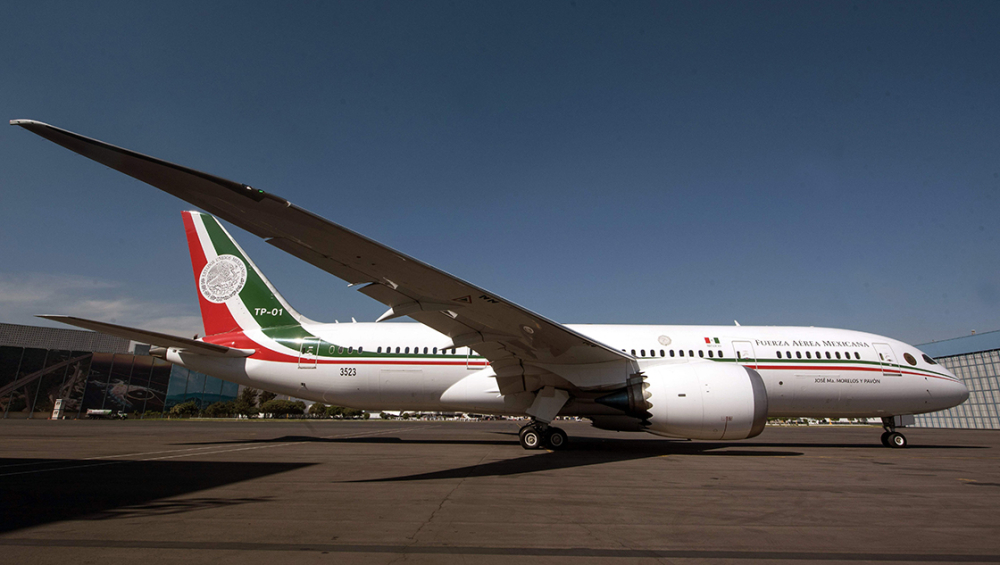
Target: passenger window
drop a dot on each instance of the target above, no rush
(690, 353)
(909, 359)
(435, 351)
(380, 350)
(425, 351)
(407, 349)
(633, 353)
(798, 355)
(710, 353)
(671, 352)
(701, 354)
(837, 353)
(643, 352)
(361, 350)
(340, 350)
(779, 355)
(681, 351)
(350, 349)
(818, 356)
(857, 355)
(827, 354)
(663, 353)
(808, 355)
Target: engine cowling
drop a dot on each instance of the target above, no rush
(705, 401)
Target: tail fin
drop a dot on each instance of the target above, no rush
(233, 293)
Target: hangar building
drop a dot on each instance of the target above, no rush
(92, 370)
(975, 359)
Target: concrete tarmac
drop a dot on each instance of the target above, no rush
(454, 492)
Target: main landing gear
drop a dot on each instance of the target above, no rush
(892, 438)
(537, 435)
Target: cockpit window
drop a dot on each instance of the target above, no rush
(909, 359)
(928, 359)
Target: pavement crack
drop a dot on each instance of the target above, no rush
(447, 497)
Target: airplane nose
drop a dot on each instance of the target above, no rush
(954, 393)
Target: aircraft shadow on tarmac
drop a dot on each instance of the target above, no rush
(41, 491)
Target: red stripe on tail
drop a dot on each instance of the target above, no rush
(216, 317)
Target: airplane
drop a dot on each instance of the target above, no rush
(474, 351)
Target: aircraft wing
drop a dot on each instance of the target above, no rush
(153, 338)
(525, 349)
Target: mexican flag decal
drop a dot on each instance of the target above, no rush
(711, 340)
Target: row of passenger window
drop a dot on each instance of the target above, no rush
(416, 350)
(798, 355)
(718, 354)
(680, 353)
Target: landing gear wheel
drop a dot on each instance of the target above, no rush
(556, 438)
(896, 440)
(530, 437)
(885, 439)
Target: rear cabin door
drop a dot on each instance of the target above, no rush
(887, 359)
(308, 353)
(744, 353)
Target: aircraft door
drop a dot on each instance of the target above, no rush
(744, 353)
(887, 359)
(308, 353)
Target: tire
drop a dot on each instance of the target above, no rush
(556, 439)
(897, 440)
(885, 439)
(530, 438)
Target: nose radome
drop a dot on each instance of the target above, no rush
(954, 393)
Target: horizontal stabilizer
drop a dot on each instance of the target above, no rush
(153, 338)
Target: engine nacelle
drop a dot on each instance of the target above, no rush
(704, 400)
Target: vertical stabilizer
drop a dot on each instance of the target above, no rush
(233, 293)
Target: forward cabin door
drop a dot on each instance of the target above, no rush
(887, 359)
(743, 350)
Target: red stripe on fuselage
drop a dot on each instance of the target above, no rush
(262, 353)
(843, 368)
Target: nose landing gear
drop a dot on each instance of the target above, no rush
(892, 438)
(537, 435)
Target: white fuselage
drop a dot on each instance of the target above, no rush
(808, 372)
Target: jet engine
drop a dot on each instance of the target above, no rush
(700, 400)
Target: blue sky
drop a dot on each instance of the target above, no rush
(803, 163)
